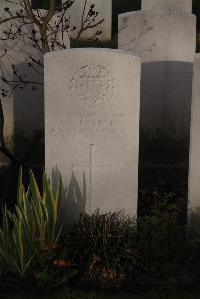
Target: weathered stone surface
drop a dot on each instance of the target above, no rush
(11, 5)
(166, 42)
(194, 169)
(92, 128)
(172, 5)
(104, 9)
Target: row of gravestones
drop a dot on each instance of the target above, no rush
(92, 129)
(163, 33)
(92, 135)
(167, 51)
(93, 100)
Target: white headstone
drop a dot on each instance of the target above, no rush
(92, 128)
(172, 5)
(166, 42)
(194, 169)
(57, 33)
(158, 35)
(22, 106)
(104, 9)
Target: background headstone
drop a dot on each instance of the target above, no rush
(104, 9)
(166, 42)
(58, 25)
(92, 128)
(24, 108)
(194, 169)
(173, 5)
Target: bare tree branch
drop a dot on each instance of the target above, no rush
(50, 31)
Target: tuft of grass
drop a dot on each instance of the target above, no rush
(102, 244)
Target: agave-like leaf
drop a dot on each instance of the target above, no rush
(36, 197)
(20, 189)
(33, 224)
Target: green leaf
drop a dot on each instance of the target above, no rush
(20, 188)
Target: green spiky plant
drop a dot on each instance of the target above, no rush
(33, 225)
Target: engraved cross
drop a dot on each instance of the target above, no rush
(92, 166)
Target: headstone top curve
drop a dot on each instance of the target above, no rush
(94, 50)
(156, 12)
(168, 5)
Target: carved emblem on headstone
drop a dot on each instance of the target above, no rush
(92, 84)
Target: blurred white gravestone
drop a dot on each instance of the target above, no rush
(92, 128)
(57, 34)
(23, 106)
(194, 168)
(172, 5)
(166, 41)
(79, 15)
